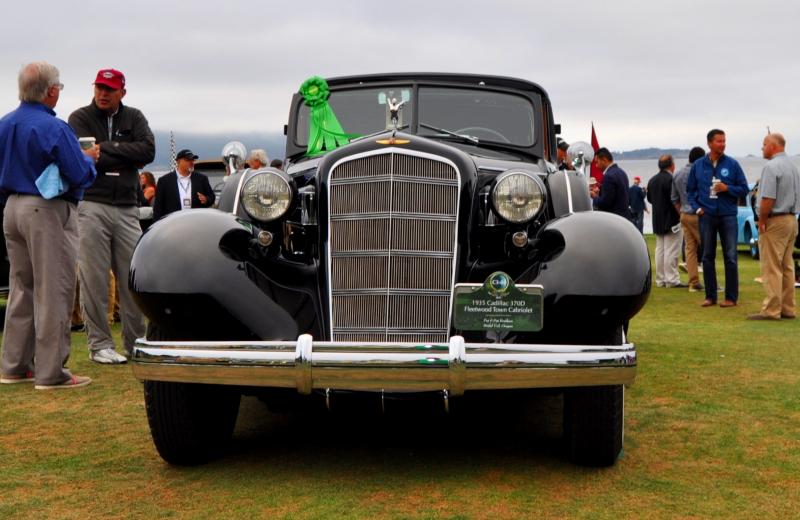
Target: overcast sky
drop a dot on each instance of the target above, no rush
(647, 73)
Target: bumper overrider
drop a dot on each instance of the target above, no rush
(456, 366)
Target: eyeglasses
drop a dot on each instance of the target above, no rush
(59, 86)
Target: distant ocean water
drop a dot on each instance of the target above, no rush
(647, 168)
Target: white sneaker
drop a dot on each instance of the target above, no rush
(107, 356)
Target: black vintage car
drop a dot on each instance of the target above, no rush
(435, 251)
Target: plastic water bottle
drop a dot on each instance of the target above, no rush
(713, 193)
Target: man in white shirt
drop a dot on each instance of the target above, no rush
(182, 188)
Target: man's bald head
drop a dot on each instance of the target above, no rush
(774, 143)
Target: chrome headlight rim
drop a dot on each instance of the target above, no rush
(538, 199)
(252, 207)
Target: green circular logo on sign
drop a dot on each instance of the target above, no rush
(498, 283)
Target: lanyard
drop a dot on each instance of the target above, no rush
(185, 191)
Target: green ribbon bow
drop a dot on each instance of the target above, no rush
(325, 133)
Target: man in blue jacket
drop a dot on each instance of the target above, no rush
(715, 184)
(41, 233)
(613, 196)
(636, 197)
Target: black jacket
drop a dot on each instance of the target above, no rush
(659, 194)
(636, 198)
(131, 146)
(167, 197)
(614, 192)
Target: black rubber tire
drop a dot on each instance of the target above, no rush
(594, 417)
(190, 423)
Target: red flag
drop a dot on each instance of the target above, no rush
(595, 171)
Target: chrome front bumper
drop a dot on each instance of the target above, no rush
(391, 367)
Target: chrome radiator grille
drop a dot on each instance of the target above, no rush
(392, 238)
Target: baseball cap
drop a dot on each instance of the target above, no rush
(637, 178)
(111, 78)
(186, 154)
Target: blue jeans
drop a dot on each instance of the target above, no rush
(725, 226)
(637, 217)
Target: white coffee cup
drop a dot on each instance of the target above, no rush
(86, 142)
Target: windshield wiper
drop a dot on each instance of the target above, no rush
(469, 138)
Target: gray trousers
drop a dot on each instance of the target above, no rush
(108, 235)
(42, 240)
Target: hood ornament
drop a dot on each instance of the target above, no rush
(394, 113)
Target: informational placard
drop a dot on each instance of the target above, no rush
(498, 304)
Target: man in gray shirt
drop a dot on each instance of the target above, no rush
(690, 222)
(778, 202)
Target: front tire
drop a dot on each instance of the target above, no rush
(190, 423)
(594, 424)
(594, 417)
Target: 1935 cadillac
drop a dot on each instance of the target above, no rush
(420, 241)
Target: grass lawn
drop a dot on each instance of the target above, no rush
(712, 430)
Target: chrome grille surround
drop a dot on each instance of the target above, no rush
(392, 232)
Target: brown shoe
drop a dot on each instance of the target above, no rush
(728, 303)
(761, 317)
(72, 382)
(708, 303)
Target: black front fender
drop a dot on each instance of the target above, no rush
(594, 266)
(188, 277)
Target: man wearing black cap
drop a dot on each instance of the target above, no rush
(108, 221)
(182, 188)
(561, 154)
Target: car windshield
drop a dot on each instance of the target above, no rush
(361, 111)
(483, 114)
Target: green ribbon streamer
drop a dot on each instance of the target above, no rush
(325, 133)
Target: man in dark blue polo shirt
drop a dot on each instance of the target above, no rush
(41, 233)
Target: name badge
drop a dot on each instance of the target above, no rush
(187, 203)
(112, 174)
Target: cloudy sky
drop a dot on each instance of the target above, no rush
(647, 73)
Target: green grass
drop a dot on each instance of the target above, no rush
(712, 430)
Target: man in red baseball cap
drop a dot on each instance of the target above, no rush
(109, 89)
(636, 199)
(108, 221)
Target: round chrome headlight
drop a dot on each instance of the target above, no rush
(518, 196)
(266, 196)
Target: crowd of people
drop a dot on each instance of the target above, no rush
(91, 221)
(698, 204)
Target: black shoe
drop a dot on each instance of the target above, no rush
(78, 328)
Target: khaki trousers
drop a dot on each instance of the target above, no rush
(42, 240)
(108, 237)
(777, 268)
(668, 249)
(691, 235)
